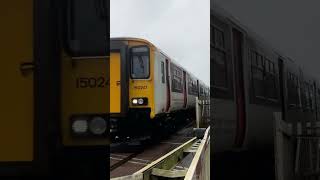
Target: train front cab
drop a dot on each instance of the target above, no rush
(53, 111)
(131, 87)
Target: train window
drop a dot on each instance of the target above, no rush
(140, 62)
(212, 37)
(257, 70)
(219, 38)
(311, 96)
(177, 82)
(306, 96)
(219, 69)
(192, 87)
(303, 96)
(195, 88)
(271, 80)
(264, 77)
(190, 83)
(219, 60)
(318, 101)
(162, 72)
(292, 88)
(83, 17)
(308, 99)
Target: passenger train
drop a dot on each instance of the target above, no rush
(250, 82)
(148, 89)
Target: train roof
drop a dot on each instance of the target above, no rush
(133, 39)
(158, 49)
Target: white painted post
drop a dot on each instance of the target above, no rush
(197, 112)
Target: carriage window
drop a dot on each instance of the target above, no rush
(292, 87)
(306, 96)
(212, 37)
(219, 69)
(140, 63)
(257, 70)
(264, 78)
(219, 60)
(318, 100)
(219, 38)
(303, 96)
(192, 88)
(311, 96)
(177, 83)
(162, 72)
(271, 82)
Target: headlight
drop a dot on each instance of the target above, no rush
(80, 126)
(139, 101)
(134, 101)
(98, 126)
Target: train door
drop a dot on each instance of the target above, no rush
(115, 83)
(168, 86)
(239, 87)
(185, 95)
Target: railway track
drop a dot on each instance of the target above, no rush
(131, 158)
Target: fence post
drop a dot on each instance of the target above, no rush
(198, 113)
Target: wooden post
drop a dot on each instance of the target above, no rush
(284, 158)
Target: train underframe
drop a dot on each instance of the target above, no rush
(81, 162)
(138, 124)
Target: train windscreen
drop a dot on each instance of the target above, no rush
(140, 63)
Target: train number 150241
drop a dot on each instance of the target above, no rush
(91, 82)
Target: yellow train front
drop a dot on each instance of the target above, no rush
(54, 95)
(148, 90)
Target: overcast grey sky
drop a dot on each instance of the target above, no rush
(180, 28)
(291, 26)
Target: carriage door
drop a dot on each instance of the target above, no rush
(185, 89)
(239, 86)
(168, 86)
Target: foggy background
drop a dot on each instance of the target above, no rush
(180, 28)
(291, 26)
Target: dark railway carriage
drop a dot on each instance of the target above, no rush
(250, 81)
